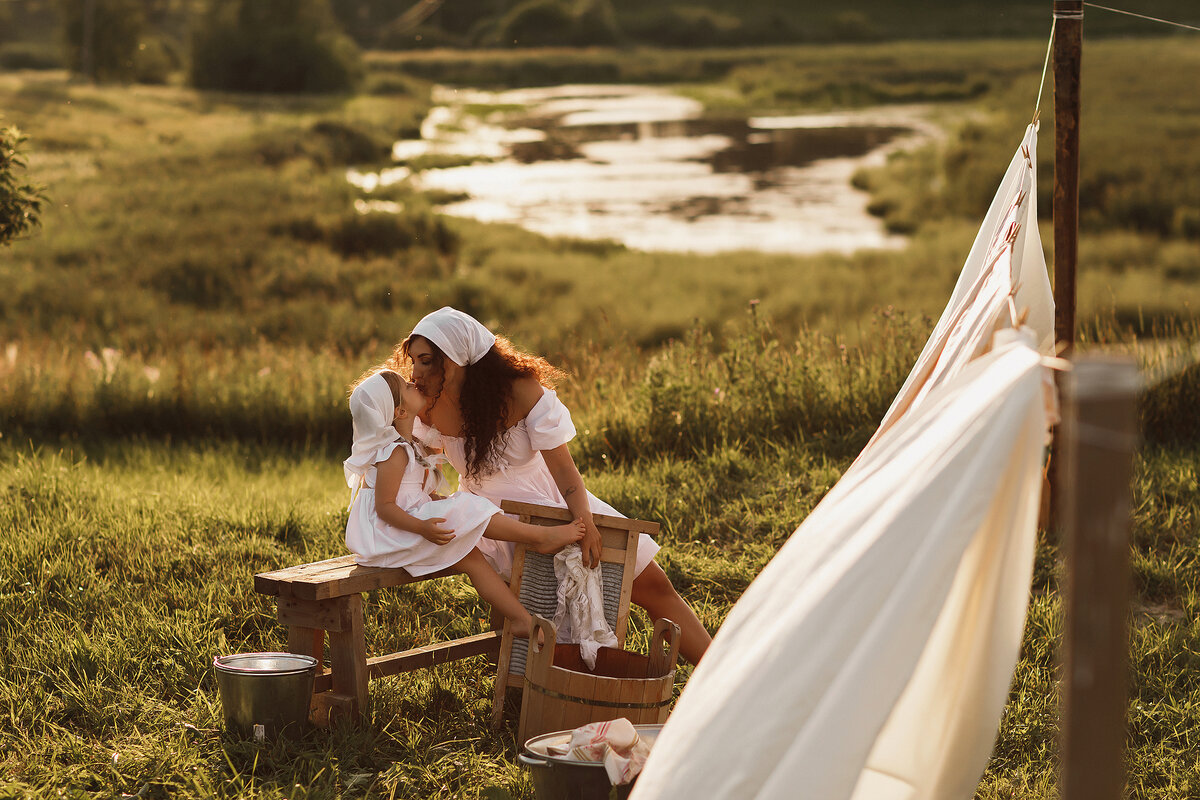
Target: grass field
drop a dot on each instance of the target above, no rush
(178, 338)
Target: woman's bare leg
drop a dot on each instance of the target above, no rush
(542, 538)
(652, 590)
(492, 588)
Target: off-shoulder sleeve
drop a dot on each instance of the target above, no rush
(429, 435)
(385, 452)
(549, 422)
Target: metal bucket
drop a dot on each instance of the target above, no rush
(265, 693)
(564, 778)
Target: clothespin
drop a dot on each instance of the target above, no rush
(1013, 230)
(1057, 364)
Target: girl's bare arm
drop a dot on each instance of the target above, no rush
(388, 475)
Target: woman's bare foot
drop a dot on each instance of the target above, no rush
(557, 537)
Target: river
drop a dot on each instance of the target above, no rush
(644, 167)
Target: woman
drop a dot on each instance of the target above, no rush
(506, 433)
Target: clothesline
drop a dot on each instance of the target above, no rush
(1045, 66)
(1079, 15)
(1143, 16)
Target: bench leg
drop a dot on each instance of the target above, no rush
(309, 642)
(348, 655)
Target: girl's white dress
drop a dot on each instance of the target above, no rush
(376, 543)
(523, 474)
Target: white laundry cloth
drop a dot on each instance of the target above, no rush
(1005, 272)
(871, 658)
(580, 613)
(615, 742)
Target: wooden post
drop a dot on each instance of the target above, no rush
(1099, 438)
(1067, 53)
(1066, 57)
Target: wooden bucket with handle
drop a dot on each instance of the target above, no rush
(561, 693)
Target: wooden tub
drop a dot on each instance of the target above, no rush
(561, 693)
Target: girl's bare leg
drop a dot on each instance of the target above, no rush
(542, 538)
(492, 588)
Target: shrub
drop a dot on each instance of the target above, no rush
(422, 37)
(30, 55)
(156, 58)
(683, 26)
(20, 203)
(326, 143)
(204, 281)
(347, 144)
(554, 22)
(110, 51)
(380, 234)
(282, 46)
(853, 26)
(396, 85)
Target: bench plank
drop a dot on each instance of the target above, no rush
(336, 577)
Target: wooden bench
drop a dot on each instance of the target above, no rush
(325, 597)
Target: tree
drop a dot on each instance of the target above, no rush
(20, 203)
(273, 46)
(102, 37)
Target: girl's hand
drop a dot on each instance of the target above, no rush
(438, 535)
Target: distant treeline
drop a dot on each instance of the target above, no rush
(377, 24)
(417, 24)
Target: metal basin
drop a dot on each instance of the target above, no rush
(563, 778)
(271, 690)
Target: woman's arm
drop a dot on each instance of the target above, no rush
(388, 475)
(570, 483)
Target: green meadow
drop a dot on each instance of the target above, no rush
(177, 339)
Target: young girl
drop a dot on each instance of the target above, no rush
(394, 520)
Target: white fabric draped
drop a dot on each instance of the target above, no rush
(1005, 260)
(871, 659)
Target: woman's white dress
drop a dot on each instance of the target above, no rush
(376, 543)
(523, 475)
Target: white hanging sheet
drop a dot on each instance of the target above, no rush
(876, 649)
(1006, 259)
(871, 658)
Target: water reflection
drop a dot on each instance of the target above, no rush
(641, 166)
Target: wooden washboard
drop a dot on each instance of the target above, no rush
(534, 583)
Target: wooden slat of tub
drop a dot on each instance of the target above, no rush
(542, 515)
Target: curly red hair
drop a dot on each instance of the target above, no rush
(486, 393)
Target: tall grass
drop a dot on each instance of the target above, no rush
(126, 565)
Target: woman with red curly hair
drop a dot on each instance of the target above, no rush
(503, 428)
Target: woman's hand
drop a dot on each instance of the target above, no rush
(591, 544)
(431, 530)
(570, 484)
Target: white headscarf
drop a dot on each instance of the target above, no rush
(373, 411)
(460, 336)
